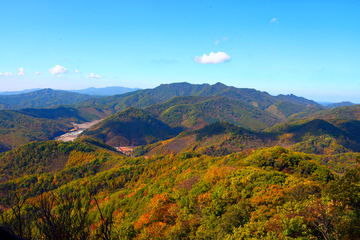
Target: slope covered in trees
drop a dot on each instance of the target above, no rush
(64, 114)
(40, 99)
(217, 139)
(131, 127)
(340, 104)
(268, 193)
(17, 129)
(298, 179)
(193, 113)
(164, 92)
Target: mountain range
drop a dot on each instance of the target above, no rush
(210, 162)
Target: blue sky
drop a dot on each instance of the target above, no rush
(308, 48)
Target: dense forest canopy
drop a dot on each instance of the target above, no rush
(211, 162)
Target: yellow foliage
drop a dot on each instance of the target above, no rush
(77, 158)
(215, 174)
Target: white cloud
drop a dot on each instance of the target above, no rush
(213, 58)
(91, 75)
(59, 75)
(77, 71)
(1, 74)
(37, 73)
(8, 74)
(21, 71)
(57, 70)
(216, 42)
(274, 20)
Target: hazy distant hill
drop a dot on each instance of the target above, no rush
(19, 92)
(130, 127)
(40, 99)
(107, 91)
(340, 104)
(297, 100)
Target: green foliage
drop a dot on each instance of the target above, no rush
(285, 109)
(194, 113)
(131, 127)
(37, 158)
(263, 194)
(17, 129)
(64, 114)
(41, 98)
(165, 92)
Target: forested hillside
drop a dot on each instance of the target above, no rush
(40, 99)
(269, 193)
(131, 127)
(164, 92)
(63, 114)
(195, 113)
(17, 129)
(211, 162)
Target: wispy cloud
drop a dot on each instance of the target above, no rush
(223, 39)
(274, 20)
(91, 75)
(37, 73)
(213, 58)
(6, 74)
(77, 71)
(58, 75)
(57, 70)
(21, 71)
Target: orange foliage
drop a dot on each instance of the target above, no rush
(265, 202)
(162, 214)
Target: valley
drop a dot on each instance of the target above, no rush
(76, 131)
(181, 161)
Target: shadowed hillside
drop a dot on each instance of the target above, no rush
(17, 129)
(130, 127)
(217, 139)
(66, 114)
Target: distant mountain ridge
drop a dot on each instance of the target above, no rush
(19, 92)
(41, 99)
(164, 92)
(340, 104)
(107, 91)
